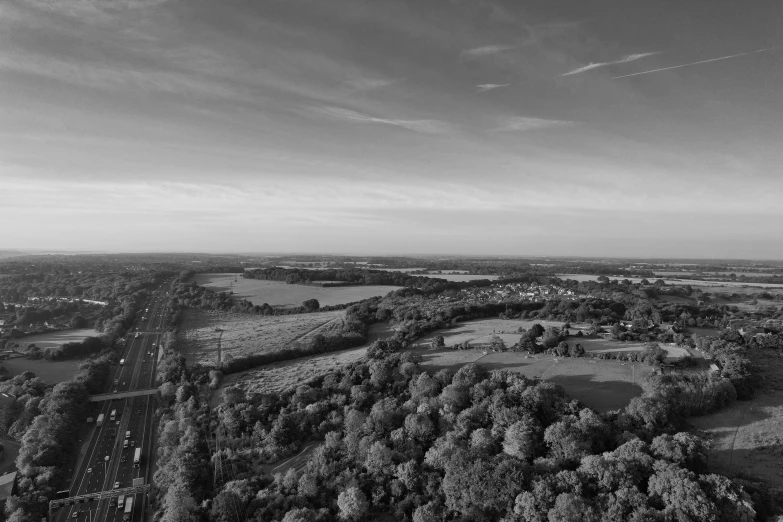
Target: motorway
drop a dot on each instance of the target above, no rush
(105, 461)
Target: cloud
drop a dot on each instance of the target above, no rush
(524, 123)
(484, 87)
(423, 126)
(626, 59)
(366, 84)
(486, 50)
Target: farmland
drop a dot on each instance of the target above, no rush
(52, 372)
(207, 337)
(280, 294)
(724, 286)
(55, 339)
(601, 385)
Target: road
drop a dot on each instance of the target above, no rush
(107, 461)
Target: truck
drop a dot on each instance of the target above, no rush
(113, 414)
(127, 434)
(137, 457)
(128, 509)
(99, 422)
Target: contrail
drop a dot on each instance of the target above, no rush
(697, 63)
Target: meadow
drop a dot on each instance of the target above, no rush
(747, 437)
(276, 377)
(52, 372)
(601, 385)
(208, 336)
(55, 339)
(277, 293)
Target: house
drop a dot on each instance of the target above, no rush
(714, 368)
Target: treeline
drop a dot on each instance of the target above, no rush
(71, 350)
(49, 442)
(183, 479)
(401, 443)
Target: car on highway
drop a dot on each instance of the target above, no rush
(122, 459)
(75, 514)
(115, 390)
(112, 502)
(116, 485)
(89, 470)
(133, 443)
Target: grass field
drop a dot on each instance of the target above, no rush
(747, 438)
(276, 293)
(55, 339)
(480, 331)
(715, 286)
(276, 377)
(51, 372)
(601, 385)
(240, 335)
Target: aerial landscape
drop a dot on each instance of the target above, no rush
(415, 261)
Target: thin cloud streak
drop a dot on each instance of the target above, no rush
(524, 123)
(423, 126)
(484, 87)
(626, 59)
(366, 84)
(487, 50)
(698, 63)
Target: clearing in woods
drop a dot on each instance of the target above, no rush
(747, 437)
(52, 372)
(278, 293)
(601, 385)
(236, 335)
(55, 339)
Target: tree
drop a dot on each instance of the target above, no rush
(562, 349)
(440, 342)
(497, 344)
(77, 321)
(311, 304)
(521, 438)
(353, 504)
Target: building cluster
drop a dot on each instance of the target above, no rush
(516, 291)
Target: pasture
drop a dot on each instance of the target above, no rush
(52, 372)
(601, 385)
(207, 336)
(280, 294)
(55, 339)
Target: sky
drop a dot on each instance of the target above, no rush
(393, 126)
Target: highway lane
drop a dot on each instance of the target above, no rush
(133, 414)
(140, 410)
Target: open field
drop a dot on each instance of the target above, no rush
(203, 333)
(601, 385)
(51, 372)
(747, 438)
(480, 331)
(276, 377)
(55, 339)
(277, 293)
